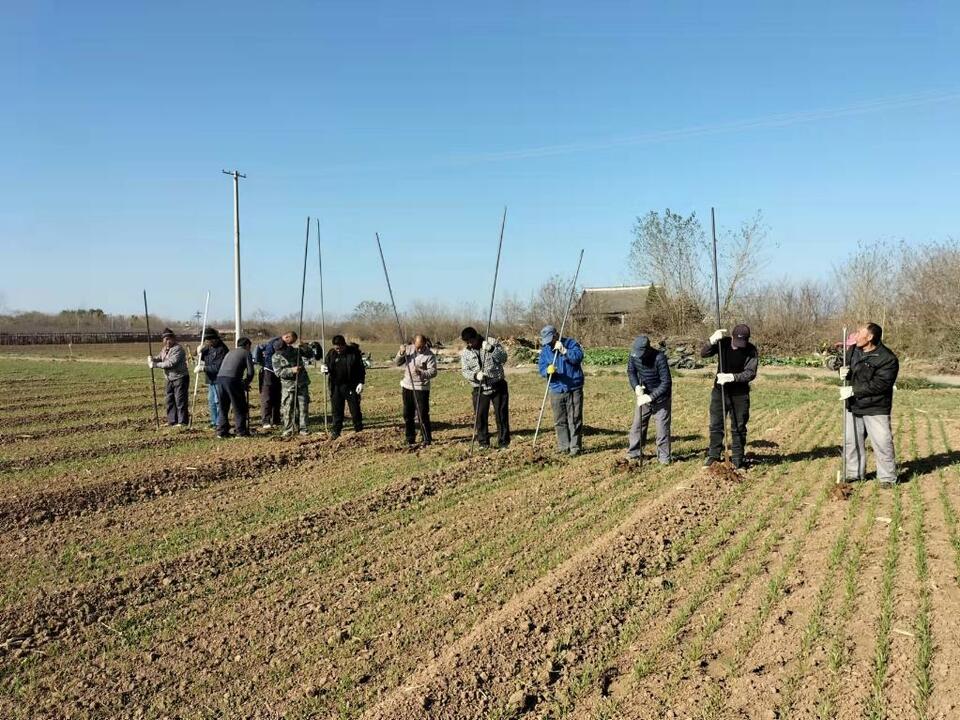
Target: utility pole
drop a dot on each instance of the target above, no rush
(236, 251)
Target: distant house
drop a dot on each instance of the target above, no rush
(614, 304)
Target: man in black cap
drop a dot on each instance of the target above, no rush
(346, 375)
(173, 361)
(210, 354)
(737, 367)
(233, 383)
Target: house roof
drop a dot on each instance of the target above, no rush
(613, 300)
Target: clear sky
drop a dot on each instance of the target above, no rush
(421, 120)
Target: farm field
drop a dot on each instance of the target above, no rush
(167, 574)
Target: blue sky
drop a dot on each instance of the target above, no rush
(421, 120)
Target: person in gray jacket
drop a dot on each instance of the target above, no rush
(173, 361)
(481, 363)
(420, 367)
(233, 384)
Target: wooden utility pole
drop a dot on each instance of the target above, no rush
(236, 252)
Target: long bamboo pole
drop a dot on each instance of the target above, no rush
(196, 380)
(716, 295)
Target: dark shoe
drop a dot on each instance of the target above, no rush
(737, 464)
(710, 461)
(887, 484)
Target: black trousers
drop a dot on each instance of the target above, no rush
(178, 401)
(341, 395)
(412, 398)
(269, 398)
(499, 397)
(231, 391)
(738, 408)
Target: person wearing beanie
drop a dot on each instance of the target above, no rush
(346, 374)
(288, 356)
(210, 353)
(481, 363)
(737, 367)
(233, 383)
(871, 369)
(560, 362)
(649, 378)
(420, 367)
(173, 361)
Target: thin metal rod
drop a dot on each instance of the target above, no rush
(237, 310)
(493, 295)
(196, 383)
(566, 314)
(303, 293)
(403, 339)
(323, 329)
(716, 295)
(842, 475)
(153, 380)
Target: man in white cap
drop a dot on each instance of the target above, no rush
(560, 361)
(737, 368)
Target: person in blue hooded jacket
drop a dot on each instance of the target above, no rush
(649, 377)
(560, 361)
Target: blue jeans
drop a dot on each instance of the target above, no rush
(214, 402)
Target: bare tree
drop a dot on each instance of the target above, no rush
(743, 255)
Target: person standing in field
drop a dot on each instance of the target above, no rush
(346, 374)
(269, 385)
(211, 353)
(173, 361)
(739, 359)
(481, 363)
(872, 370)
(560, 362)
(649, 378)
(233, 384)
(288, 357)
(420, 364)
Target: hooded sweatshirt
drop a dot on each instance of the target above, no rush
(424, 361)
(569, 373)
(649, 367)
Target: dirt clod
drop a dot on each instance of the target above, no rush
(841, 491)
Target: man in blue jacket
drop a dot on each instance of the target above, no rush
(649, 377)
(560, 361)
(270, 384)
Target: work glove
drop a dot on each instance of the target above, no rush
(199, 348)
(200, 368)
(715, 338)
(359, 388)
(551, 369)
(559, 347)
(844, 372)
(479, 376)
(402, 351)
(724, 378)
(643, 399)
(150, 362)
(489, 344)
(846, 393)
(324, 369)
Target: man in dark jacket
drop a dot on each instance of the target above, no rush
(210, 354)
(872, 369)
(233, 382)
(346, 374)
(737, 368)
(560, 361)
(269, 384)
(173, 361)
(649, 377)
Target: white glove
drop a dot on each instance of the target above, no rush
(402, 351)
(488, 344)
(359, 388)
(643, 400)
(715, 338)
(149, 362)
(479, 376)
(846, 392)
(200, 368)
(559, 347)
(844, 371)
(638, 390)
(724, 378)
(199, 348)
(324, 369)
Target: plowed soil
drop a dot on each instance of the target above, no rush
(165, 574)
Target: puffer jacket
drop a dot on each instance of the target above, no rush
(872, 375)
(649, 366)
